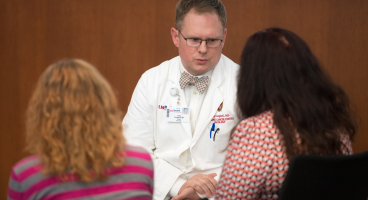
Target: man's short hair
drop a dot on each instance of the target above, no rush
(200, 7)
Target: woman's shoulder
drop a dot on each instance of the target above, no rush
(131, 151)
(26, 163)
(261, 121)
(25, 168)
(260, 126)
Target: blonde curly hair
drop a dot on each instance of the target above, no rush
(74, 123)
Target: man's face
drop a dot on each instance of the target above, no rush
(199, 60)
(185, 111)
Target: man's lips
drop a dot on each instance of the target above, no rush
(201, 61)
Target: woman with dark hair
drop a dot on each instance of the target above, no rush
(74, 132)
(290, 107)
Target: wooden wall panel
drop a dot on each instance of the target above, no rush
(20, 54)
(125, 38)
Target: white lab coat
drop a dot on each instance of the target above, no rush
(145, 123)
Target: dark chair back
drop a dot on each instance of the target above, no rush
(326, 177)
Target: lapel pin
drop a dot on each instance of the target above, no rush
(220, 107)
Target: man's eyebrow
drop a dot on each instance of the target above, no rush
(214, 39)
(211, 38)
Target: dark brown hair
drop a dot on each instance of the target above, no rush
(279, 73)
(199, 6)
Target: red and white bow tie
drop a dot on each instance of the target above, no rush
(200, 83)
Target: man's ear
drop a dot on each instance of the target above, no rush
(175, 36)
(223, 41)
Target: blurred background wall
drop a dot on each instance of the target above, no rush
(124, 38)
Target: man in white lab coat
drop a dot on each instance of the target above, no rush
(188, 150)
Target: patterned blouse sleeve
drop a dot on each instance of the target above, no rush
(346, 148)
(251, 166)
(241, 176)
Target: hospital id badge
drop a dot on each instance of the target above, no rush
(177, 114)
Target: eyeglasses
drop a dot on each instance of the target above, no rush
(195, 42)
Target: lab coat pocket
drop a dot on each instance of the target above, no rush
(216, 147)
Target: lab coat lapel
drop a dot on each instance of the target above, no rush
(174, 76)
(211, 101)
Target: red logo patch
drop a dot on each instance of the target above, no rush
(162, 107)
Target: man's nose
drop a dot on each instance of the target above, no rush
(203, 47)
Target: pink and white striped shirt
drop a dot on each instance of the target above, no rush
(134, 180)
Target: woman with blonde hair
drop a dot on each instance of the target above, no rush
(74, 132)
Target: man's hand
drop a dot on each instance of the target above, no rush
(203, 184)
(187, 194)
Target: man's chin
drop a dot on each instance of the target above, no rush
(201, 69)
